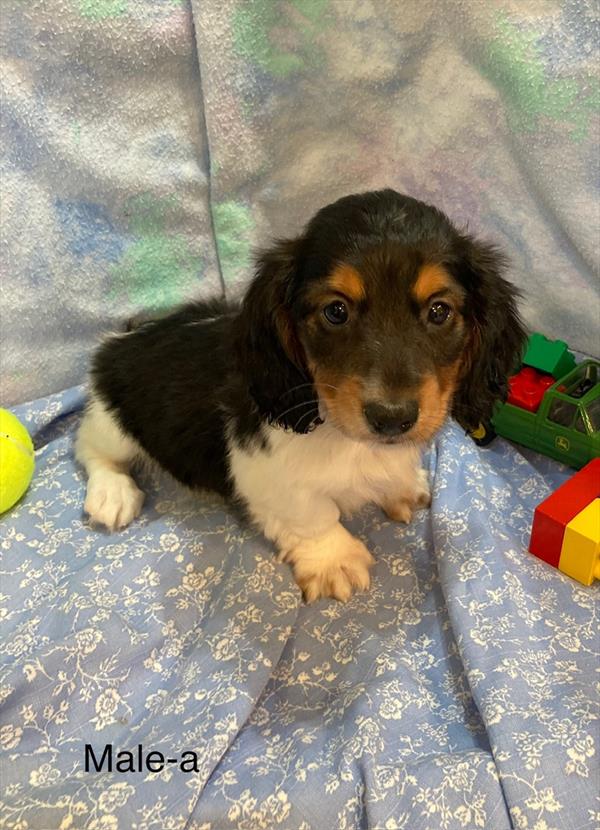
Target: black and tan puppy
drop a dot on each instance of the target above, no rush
(316, 394)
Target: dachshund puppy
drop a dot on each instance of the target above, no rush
(315, 395)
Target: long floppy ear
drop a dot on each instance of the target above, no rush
(497, 336)
(269, 352)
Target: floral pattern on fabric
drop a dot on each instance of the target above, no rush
(459, 692)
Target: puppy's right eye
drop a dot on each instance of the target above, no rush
(439, 313)
(336, 313)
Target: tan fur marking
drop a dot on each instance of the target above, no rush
(431, 279)
(344, 400)
(402, 509)
(288, 337)
(348, 281)
(470, 353)
(435, 397)
(343, 397)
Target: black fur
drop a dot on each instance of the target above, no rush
(498, 335)
(164, 382)
(268, 352)
(177, 384)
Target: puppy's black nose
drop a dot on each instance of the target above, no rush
(392, 420)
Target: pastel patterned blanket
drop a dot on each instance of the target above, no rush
(150, 145)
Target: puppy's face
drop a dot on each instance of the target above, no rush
(381, 318)
(385, 340)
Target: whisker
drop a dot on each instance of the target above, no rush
(297, 406)
(295, 388)
(304, 385)
(297, 424)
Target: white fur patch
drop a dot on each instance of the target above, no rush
(298, 487)
(113, 499)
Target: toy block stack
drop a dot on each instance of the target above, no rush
(552, 357)
(566, 526)
(544, 362)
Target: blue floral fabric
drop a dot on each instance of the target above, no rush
(459, 692)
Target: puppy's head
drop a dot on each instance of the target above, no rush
(382, 318)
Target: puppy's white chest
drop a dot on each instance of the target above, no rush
(368, 473)
(327, 462)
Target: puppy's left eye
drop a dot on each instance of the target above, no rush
(439, 313)
(336, 313)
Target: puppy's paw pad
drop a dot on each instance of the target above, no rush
(338, 578)
(113, 499)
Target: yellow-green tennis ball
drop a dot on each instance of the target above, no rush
(16, 460)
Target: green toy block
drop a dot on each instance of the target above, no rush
(550, 356)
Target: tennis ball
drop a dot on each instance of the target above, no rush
(16, 460)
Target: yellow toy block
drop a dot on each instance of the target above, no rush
(580, 552)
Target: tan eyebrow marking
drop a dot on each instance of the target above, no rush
(431, 279)
(347, 280)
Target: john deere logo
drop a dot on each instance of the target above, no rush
(562, 443)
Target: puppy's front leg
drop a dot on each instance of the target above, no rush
(326, 559)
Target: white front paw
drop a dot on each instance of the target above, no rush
(334, 565)
(112, 499)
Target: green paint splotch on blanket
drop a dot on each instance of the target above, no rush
(102, 9)
(233, 230)
(514, 62)
(157, 270)
(302, 20)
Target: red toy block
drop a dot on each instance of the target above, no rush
(527, 388)
(553, 515)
